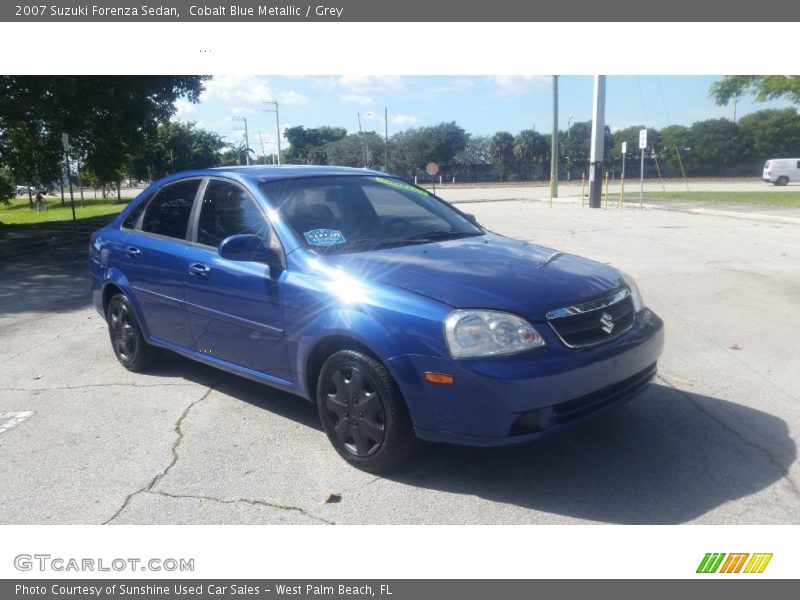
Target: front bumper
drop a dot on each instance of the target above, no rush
(513, 400)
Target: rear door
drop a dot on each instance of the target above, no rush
(154, 259)
(234, 307)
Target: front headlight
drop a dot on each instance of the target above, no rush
(636, 295)
(474, 333)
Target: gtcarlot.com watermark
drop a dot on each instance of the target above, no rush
(48, 563)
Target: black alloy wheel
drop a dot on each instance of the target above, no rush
(126, 336)
(363, 412)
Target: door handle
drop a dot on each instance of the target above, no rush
(199, 270)
(132, 252)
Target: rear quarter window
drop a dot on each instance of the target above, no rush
(132, 219)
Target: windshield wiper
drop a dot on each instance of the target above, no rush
(419, 238)
(359, 243)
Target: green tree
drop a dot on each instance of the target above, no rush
(475, 153)
(356, 150)
(716, 144)
(771, 133)
(631, 136)
(177, 146)
(108, 118)
(448, 139)
(235, 154)
(576, 145)
(413, 148)
(8, 188)
(307, 146)
(765, 87)
(676, 141)
(530, 146)
(30, 155)
(502, 150)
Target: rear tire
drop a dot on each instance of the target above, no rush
(363, 412)
(782, 180)
(127, 340)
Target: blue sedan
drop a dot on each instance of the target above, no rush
(397, 314)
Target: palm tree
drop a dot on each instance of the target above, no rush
(529, 146)
(502, 149)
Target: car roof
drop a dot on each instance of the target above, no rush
(256, 174)
(270, 172)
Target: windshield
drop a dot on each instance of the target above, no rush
(356, 213)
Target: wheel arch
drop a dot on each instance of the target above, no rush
(322, 349)
(116, 283)
(110, 289)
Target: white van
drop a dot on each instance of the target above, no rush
(780, 171)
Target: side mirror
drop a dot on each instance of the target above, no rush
(471, 218)
(246, 247)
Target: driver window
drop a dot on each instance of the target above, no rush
(228, 210)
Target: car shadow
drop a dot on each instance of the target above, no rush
(259, 395)
(668, 457)
(44, 268)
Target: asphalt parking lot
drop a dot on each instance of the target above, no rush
(711, 441)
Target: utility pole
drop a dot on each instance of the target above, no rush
(598, 141)
(80, 182)
(277, 125)
(361, 137)
(554, 141)
(263, 152)
(569, 147)
(246, 139)
(386, 138)
(65, 143)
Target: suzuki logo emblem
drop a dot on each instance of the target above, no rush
(607, 322)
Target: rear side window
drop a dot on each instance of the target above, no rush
(168, 213)
(228, 210)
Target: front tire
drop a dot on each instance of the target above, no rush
(363, 412)
(127, 340)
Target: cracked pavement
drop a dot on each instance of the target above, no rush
(711, 441)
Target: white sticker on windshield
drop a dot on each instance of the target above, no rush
(324, 237)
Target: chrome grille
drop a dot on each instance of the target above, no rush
(594, 322)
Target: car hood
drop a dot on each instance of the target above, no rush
(488, 271)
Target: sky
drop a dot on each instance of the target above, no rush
(482, 105)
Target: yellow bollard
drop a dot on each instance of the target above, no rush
(621, 191)
(606, 200)
(583, 179)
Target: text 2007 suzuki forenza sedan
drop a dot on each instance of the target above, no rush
(398, 315)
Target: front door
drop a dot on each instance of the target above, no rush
(234, 307)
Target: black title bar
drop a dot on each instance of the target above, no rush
(742, 588)
(416, 11)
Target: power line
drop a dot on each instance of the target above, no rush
(663, 103)
(641, 99)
